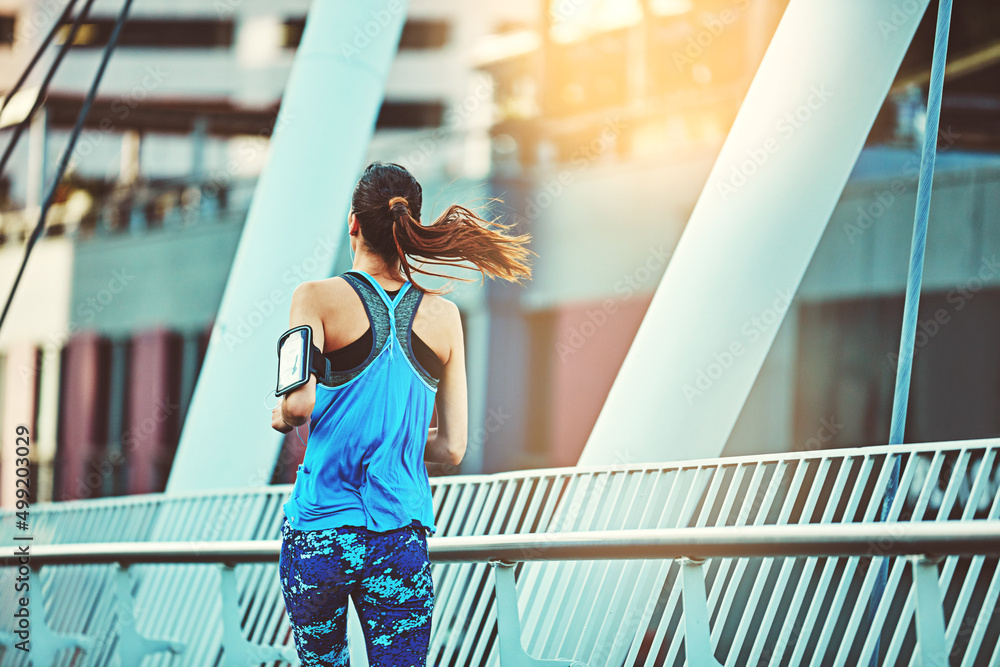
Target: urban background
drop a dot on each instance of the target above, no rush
(571, 112)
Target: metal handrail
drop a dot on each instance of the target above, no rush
(937, 538)
(589, 604)
(523, 474)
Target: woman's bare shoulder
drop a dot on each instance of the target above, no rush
(323, 297)
(442, 310)
(326, 289)
(440, 325)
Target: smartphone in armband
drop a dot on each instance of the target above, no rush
(294, 359)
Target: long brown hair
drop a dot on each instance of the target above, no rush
(387, 202)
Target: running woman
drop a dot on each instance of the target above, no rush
(357, 520)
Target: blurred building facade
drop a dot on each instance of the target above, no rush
(608, 125)
(596, 122)
(108, 332)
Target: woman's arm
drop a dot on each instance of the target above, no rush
(447, 442)
(432, 467)
(296, 407)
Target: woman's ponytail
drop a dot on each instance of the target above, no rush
(387, 203)
(458, 236)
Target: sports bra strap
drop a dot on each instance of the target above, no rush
(389, 303)
(388, 318)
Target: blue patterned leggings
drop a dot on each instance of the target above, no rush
(387, 574)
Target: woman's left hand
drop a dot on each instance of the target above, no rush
(278, 421)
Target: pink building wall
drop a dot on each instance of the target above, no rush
(590, 343)
(83, 418)
(149, 438)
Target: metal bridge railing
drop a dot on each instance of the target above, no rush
(924, 543)
(761, 610)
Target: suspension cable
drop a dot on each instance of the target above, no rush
(44, 88)
(68, 152)
(63, 19)
(914, 278)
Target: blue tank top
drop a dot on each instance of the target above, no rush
(364, 464)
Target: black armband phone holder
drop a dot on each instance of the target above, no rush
(297, 358)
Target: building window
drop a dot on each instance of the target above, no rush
(118, 372)
(409, 115)
(418, 34)
(846, 367)
(424, 35)
(6, 30)
(540, 359)
(223, 119)
(155, 33)
(293, 32)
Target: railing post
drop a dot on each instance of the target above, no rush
(932, 647)
(45, 643)
(237, 650)
(132, 645)
(697, 631)
(512, 653)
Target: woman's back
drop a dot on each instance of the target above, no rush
(356, 519)
(370, 423)
(345, 318)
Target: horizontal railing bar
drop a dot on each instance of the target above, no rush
(930, 538)
(448, 480)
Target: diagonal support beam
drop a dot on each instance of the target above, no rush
(294, 229)
(512, 653)
(753, 231)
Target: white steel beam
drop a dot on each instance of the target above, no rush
(753, 231)
(295, 225)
